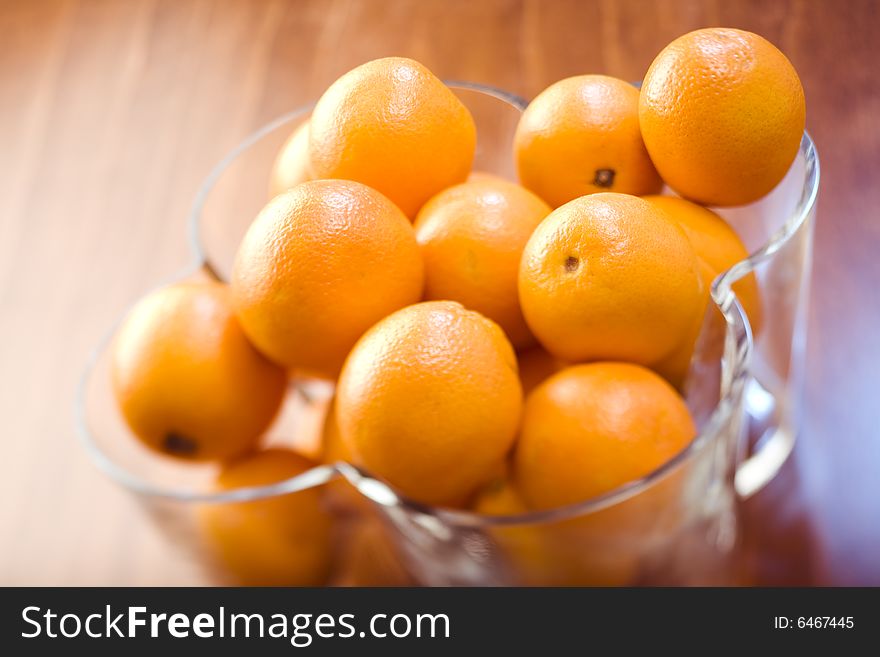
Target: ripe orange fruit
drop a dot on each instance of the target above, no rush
(499, 498)
(525, 547)
(341, 495)
(393, 125)
(577, 552)
(321, 264)
(536, 365)
(274, 541)
(580, 136)
(592, 428)
(291, 166)
(722, 114)
(472, 237)
(333, 448)
(186, 379)
(718, 247)
(609, 277)
(716, 244)
(674, 367)
(429, 399)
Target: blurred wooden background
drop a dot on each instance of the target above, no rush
(111, 113)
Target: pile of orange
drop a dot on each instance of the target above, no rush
(499, 346)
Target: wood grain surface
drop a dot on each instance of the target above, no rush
(111, 113)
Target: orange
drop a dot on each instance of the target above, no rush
(524, 547)
(393, 125)
(675, 366)
(333, 448)
(535, 365)
(321, 264)
(580, 136)
(186, 379)
(500, 498)
(716, 244)
(291, 166)
(368, 558)
(341, 495)
(722, 114)
(594, 427)
(274, 541)
(429, 399)
(578, 552)
(719, 248)
(609, 277)
(472, 237)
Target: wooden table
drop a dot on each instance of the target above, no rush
(111, 113)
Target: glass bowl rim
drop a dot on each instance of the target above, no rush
(722, 296)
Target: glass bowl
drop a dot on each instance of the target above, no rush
(677, 525)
